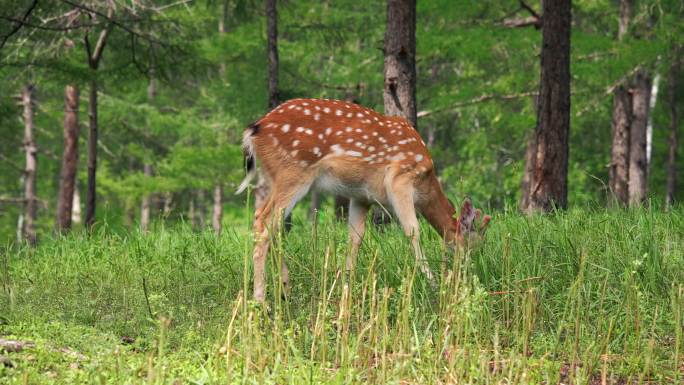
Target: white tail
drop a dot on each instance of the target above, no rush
(351, 151)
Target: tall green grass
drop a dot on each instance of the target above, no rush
(585, 295)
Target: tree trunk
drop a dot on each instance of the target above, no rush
(92, 155)
(649, 126)
(200, 206)
(400, 60)
(67, 183)
(625, 16)
(147, 166)
(672, 141)
(272, 34)
(76, 205)
(146, 201)
(618, 174)
(217, 216)
(638, 164)
(550, 181)
(30, 171)
(528, 174)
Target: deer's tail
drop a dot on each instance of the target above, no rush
(249, 158)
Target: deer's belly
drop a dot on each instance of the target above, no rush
(350, 187)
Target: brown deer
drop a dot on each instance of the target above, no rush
(355, 152)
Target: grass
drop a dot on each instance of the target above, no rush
(585, 296)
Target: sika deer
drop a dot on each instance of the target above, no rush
(352, 151)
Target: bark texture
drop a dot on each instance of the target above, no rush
(618, 173)
(30, 202)
(67, 183)
(638, 164)
(400, 60)
(272, 34)
(550, 181)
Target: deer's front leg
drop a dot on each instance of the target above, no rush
(357, 227)
(401, 197)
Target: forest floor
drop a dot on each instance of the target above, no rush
(585, 296)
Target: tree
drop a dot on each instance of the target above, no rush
(400, 60)
(638, 161)
(94, 54)
(67, 183)
(549, 187)
(30, 201)
(618, 173)
(147, 166)
(674, 122)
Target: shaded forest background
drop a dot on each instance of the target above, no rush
(178, 81)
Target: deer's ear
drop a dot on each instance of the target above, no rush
(485, 222)
(467, 214)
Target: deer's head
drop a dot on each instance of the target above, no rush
(470, 225)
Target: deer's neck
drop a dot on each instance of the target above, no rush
(438, 211)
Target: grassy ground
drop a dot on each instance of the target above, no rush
(578, 297)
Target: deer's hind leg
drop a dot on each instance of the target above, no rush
(279, 203)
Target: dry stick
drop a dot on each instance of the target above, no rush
(479, 99)
(147, 300)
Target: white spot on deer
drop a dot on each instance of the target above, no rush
(393, 131)
(381, 153)
(317, 151)
(326, 110)
(338, 133)
(382, 140)
(399, 156)
(349, 115)
(320, 136)
(337, 149)
(350, 140)
(348, 129)
(305, 104)
(338, 112)
(317, 117)
(298, 108)
(328, 131)
(360, 145)
(375, 118)
(366, 121)
(365, 137)
(299, 129)
(309, 131)
(395, 148)
(285, 127)
(410, 153)
(375, 133)
(359, 115)
(270, 125)
(295, 143)
(307, 112)
(275, 140)
(303, 163)
(317, 108)
(419, 157)
(402, 142)
(353, 153)
(371, 148)
(294, 153)
(381, 123)
(291, 106)
(358, 130)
